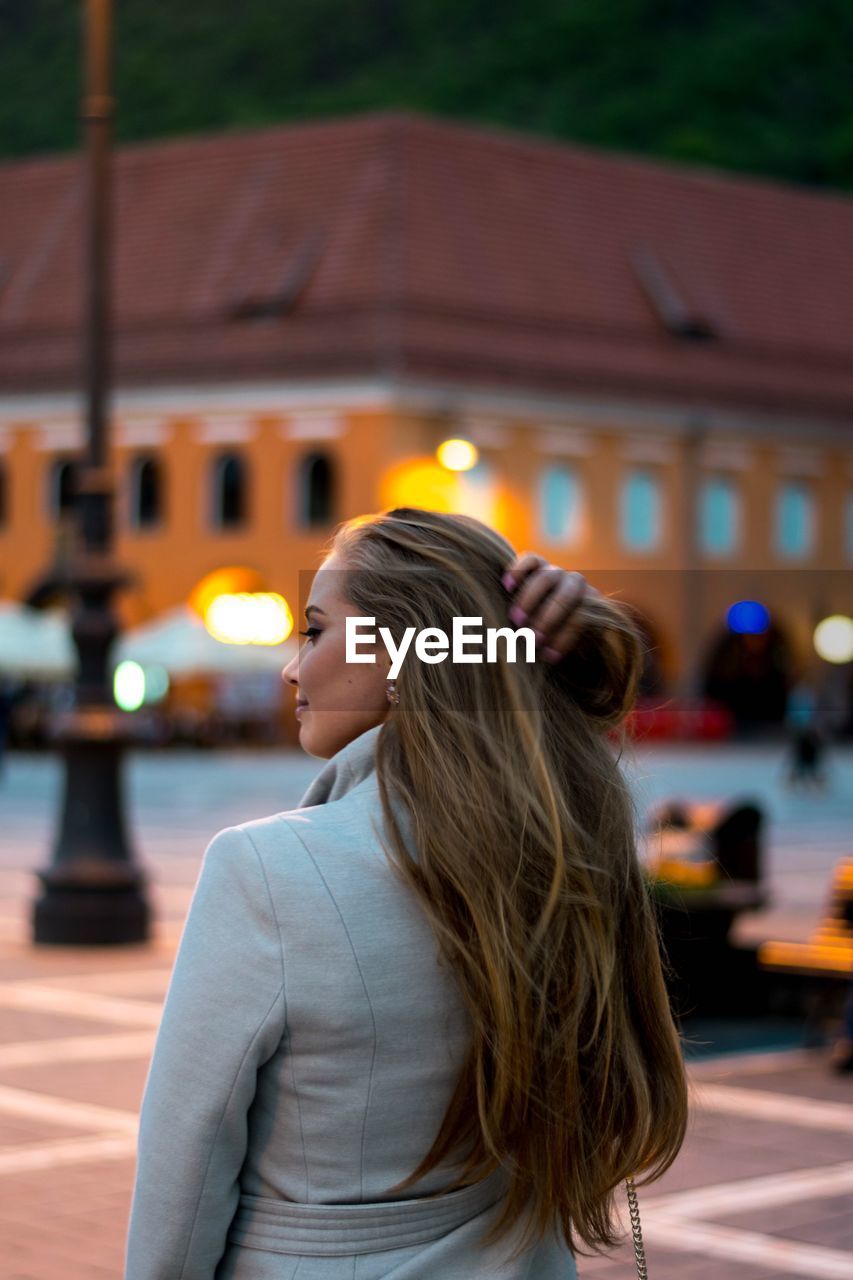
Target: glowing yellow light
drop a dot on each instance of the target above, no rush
(457, 455)
(418, 482)
(833, 638)
(129, 686)
(224, 581)
(249, 617)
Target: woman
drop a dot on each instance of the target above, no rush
(417, 1027)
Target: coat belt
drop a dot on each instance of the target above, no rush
(284, 1226)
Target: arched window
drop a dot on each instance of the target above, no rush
(146, 492)
(4, 494)
(795, 519)
(719, 516)
(230, 491)
(641, 511)
(315, 495)
(62, 482)
(560, 504)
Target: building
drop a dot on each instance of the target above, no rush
(655, 362)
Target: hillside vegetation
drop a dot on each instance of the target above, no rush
(757, 85)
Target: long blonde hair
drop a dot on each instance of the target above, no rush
(528, 872)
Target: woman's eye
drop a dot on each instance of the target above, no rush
(311, 632)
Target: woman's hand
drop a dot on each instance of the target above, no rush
(546, 597)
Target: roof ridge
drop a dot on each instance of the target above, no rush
(498, 134)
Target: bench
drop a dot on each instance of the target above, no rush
(823, 966)
(829, 951)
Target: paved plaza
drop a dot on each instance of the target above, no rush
(762, 1189)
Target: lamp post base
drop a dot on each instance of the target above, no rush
(77, 915)
(93, 891)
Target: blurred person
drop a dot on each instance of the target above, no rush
(807, 737)
(10, 694)
(418, 1026)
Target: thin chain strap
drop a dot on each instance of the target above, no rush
(634, 1210)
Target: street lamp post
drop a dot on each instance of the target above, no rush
(692, 589)
(93, 892)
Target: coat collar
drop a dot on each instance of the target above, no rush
(345, 770)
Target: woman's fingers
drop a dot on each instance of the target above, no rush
(566, 593)
(545, 594)
(529, 601)
(558, 618)
(546, 598)
(520, 568)
(560, 641)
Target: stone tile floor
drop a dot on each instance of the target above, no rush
(762, 1190)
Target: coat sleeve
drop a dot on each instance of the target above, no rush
(224, 1016)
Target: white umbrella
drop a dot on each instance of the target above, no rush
(180, 642)
(35, 644)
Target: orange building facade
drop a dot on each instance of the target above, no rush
(655, 364)
(308, 458)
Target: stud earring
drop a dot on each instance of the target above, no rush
(391, 691)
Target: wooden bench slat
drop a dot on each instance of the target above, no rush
(829, 951)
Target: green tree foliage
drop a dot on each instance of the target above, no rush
(763, 86)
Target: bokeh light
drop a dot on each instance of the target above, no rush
(833, 638)
(748, 617)
(419, 482)
(457, 454)
(129, 685)
(246, 617)
(227, 580)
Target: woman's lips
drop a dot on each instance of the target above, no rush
(300, 707)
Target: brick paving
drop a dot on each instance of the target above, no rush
(761, 1191)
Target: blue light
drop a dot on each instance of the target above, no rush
(748, 617)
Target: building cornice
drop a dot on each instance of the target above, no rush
(455, 403)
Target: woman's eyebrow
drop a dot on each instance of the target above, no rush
(313, 608)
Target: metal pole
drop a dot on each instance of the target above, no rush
(98, 110)
(691, 587)
(93, 891)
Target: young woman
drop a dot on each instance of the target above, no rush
(417, 1028)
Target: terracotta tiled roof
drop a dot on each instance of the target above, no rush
(398, 243)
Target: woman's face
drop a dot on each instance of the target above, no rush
(336, 700)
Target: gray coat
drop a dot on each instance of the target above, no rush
(308, 1047)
